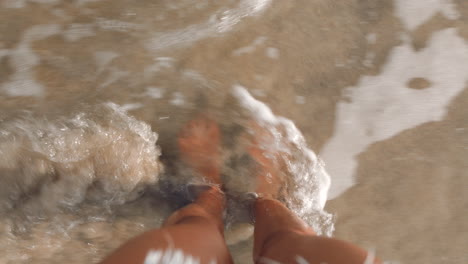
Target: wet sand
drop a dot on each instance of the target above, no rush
(313, 62)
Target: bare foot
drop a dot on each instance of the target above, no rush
(199, 145)
(268, 172)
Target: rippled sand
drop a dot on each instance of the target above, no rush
(377, 88)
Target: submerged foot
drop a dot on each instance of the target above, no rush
(199, 145)
(268, 176)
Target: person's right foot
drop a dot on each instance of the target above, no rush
(268, 175)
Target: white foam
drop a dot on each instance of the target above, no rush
(154, 92)
(99, 143)
(220, 22)
(132, 106)
(272, 53)
(250, 48)
(383, 106)
(22, 3)
(309, 180)
(165, 62)
(23, 60)
(117, 25)
(159, 64)
(261, 110)
(414, 13)
(78, 31)
(177, 99)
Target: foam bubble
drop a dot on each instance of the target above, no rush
(414, 13)
(117, 25)
(99, 154)
(250, 48)
(307, 181)
(177, 99)
(132, 106)
(220, 22)
(76, 32)
(272, 53)
(154, 92)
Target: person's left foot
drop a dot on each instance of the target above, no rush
(199, 145)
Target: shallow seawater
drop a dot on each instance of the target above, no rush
(93, 175)
(82, 172)
(367, 94)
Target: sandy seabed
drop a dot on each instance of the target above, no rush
(377, 88)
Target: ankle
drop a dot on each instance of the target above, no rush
(212, 199)
(267, 208)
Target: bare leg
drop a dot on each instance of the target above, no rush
(197, 229)
(280, 236)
